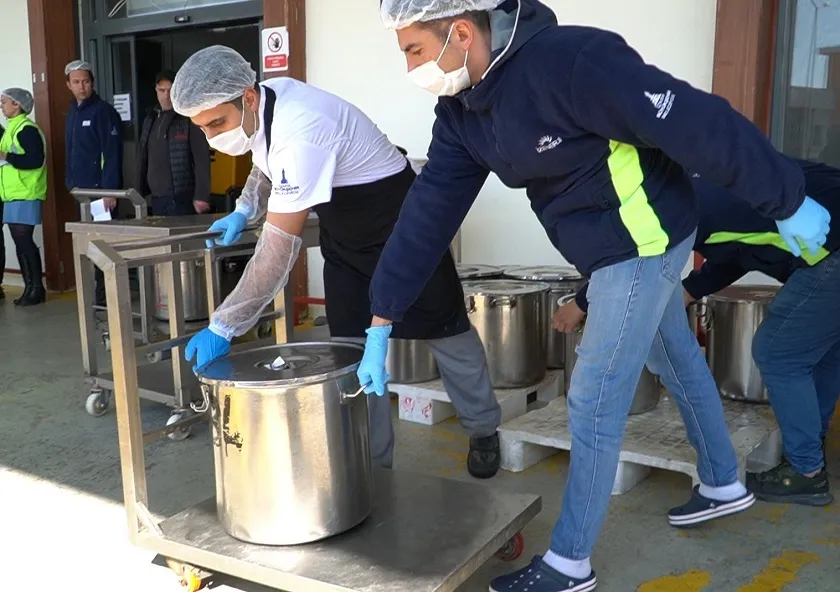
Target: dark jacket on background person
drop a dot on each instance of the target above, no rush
(94, 144)
(173, 158)
(594, 134)
(734, 239)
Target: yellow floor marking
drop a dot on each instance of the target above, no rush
(829, 542)
(691, 581)
(780, 572)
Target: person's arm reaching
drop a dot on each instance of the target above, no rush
(250, 207)
(711, 278)
(310, 171)
(434, 210)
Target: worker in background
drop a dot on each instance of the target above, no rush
(797, 346)
(94, 141)
(173, 158)
(23, 187)
(593, 133)
(313, 151)
(2, 238)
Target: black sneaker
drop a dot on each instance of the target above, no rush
(784, 485)
(484, 458)
(539, 577)
(699, 510)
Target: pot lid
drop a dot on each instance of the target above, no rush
(503, 288)
(746, 293)
(477, 270)
(545, 273)
(288, 364)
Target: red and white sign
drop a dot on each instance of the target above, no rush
(275, 49)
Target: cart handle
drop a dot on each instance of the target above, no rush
(172, 240)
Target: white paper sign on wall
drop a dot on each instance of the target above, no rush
(275, 49)
(122, 103)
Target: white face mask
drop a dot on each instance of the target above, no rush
(443, 84)
(234, 142)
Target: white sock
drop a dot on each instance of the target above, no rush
(576, 569)
(727, 493)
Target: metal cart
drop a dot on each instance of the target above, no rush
(168, 381)
(425, 534)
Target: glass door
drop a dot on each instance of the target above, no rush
(806, 101)
(122, 82)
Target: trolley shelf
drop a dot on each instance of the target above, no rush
(154, 382)
(425, 534)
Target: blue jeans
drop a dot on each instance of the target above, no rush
(636, 315)
(797, 350)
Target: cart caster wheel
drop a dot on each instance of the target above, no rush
(513, 549)
(181, 434)
(189, 577)
(97, 403)
(190, 582)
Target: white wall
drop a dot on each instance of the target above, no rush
(16, 70)
(350, 54)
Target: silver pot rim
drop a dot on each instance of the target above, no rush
(286, 383)
(556, 275)
(519, 288)
(745, 294)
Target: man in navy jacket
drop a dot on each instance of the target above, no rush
(94, 143)
(595, 135)
(797, 346)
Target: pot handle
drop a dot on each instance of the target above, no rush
(705, 317)
(346, 396)
(205, 403)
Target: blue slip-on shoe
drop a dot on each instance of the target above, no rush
(539, 577)
(699, 510)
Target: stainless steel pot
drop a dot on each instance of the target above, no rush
(410, 361)
(731, 317)
(194, 288)
(510, 317)
(477, 271)
(291, 442)
(563, 281)
(648, 391)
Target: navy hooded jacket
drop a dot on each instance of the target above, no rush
(575, 116)
(94, 141)
(734, 239)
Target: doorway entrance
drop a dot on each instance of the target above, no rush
(137, 59)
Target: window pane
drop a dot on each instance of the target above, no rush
(127, 8)
(810, 121)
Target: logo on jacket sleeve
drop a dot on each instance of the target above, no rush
(548, 143)
(285, 187)
(662, 101)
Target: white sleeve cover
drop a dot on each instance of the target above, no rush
(265, 275)
(253, 202)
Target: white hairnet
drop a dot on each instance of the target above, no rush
(77, 65)
(22, 97)
(399, 14)
(210, 77)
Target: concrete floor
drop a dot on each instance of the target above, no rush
(62, 522)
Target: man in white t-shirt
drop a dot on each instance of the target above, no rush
(314, 151)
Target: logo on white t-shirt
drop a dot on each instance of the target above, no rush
(287, 186)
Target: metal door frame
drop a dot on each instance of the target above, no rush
(785, 29)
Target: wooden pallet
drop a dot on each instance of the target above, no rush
(427, 403)
(653, 440)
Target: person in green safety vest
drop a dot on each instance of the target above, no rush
(797, 346)
(23, 187)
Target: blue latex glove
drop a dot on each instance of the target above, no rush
(205, 346)
(232, 226)
(808, 226)
(371, 372)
